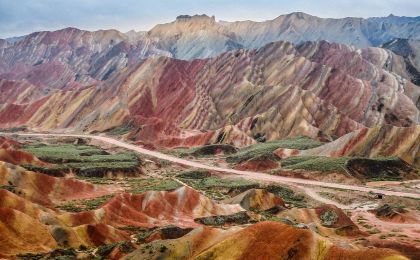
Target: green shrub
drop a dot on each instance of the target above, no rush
(315, 163)
(267, 149)
(82, 159)
(329, 218)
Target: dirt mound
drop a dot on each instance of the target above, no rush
(395, 213)
(333, 217)
(264, 240)
(214, 149)
(328, 220)
(256, 199)
(153, 208)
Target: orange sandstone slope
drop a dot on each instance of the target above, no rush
(153, 208)
(27, 227)
(9, 153)
(277, 91)
(46, 190)
(264, 240)
(98, 227)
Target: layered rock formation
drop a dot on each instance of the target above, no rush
(46, 190)
(277, 91)
(265, 240)
(153, 208)
(384, 141)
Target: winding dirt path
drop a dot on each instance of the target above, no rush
(245, 174)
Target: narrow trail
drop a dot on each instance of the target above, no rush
(245, 174)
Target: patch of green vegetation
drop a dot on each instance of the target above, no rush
(120, 130)
(288, 195)
(239, 218)
(10, 188)
(315, 163)
(266, 149)
(13, 129)
(82, 159)
(367, 226)
(221, 188)
(215, 187)
(374, 231)
(133, 229)
(389, 210)
(194, 174)
(82, 205)
(138, 185)
(57, 254)
(329, 218)
(203, 151)
(105, 250)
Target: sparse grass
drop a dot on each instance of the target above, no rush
(10, 188)
(82, 205)
(267, 149)
(221, 188)
(215, 187)
(195, 174)
(142, 185)
(120, 130)
(374, 231)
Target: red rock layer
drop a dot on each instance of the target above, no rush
(46, 190)
(153, 208)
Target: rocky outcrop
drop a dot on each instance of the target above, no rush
(256, 199)
(409, 49)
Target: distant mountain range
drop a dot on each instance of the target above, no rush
(196, 80)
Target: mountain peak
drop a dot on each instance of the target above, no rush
(197, 17)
